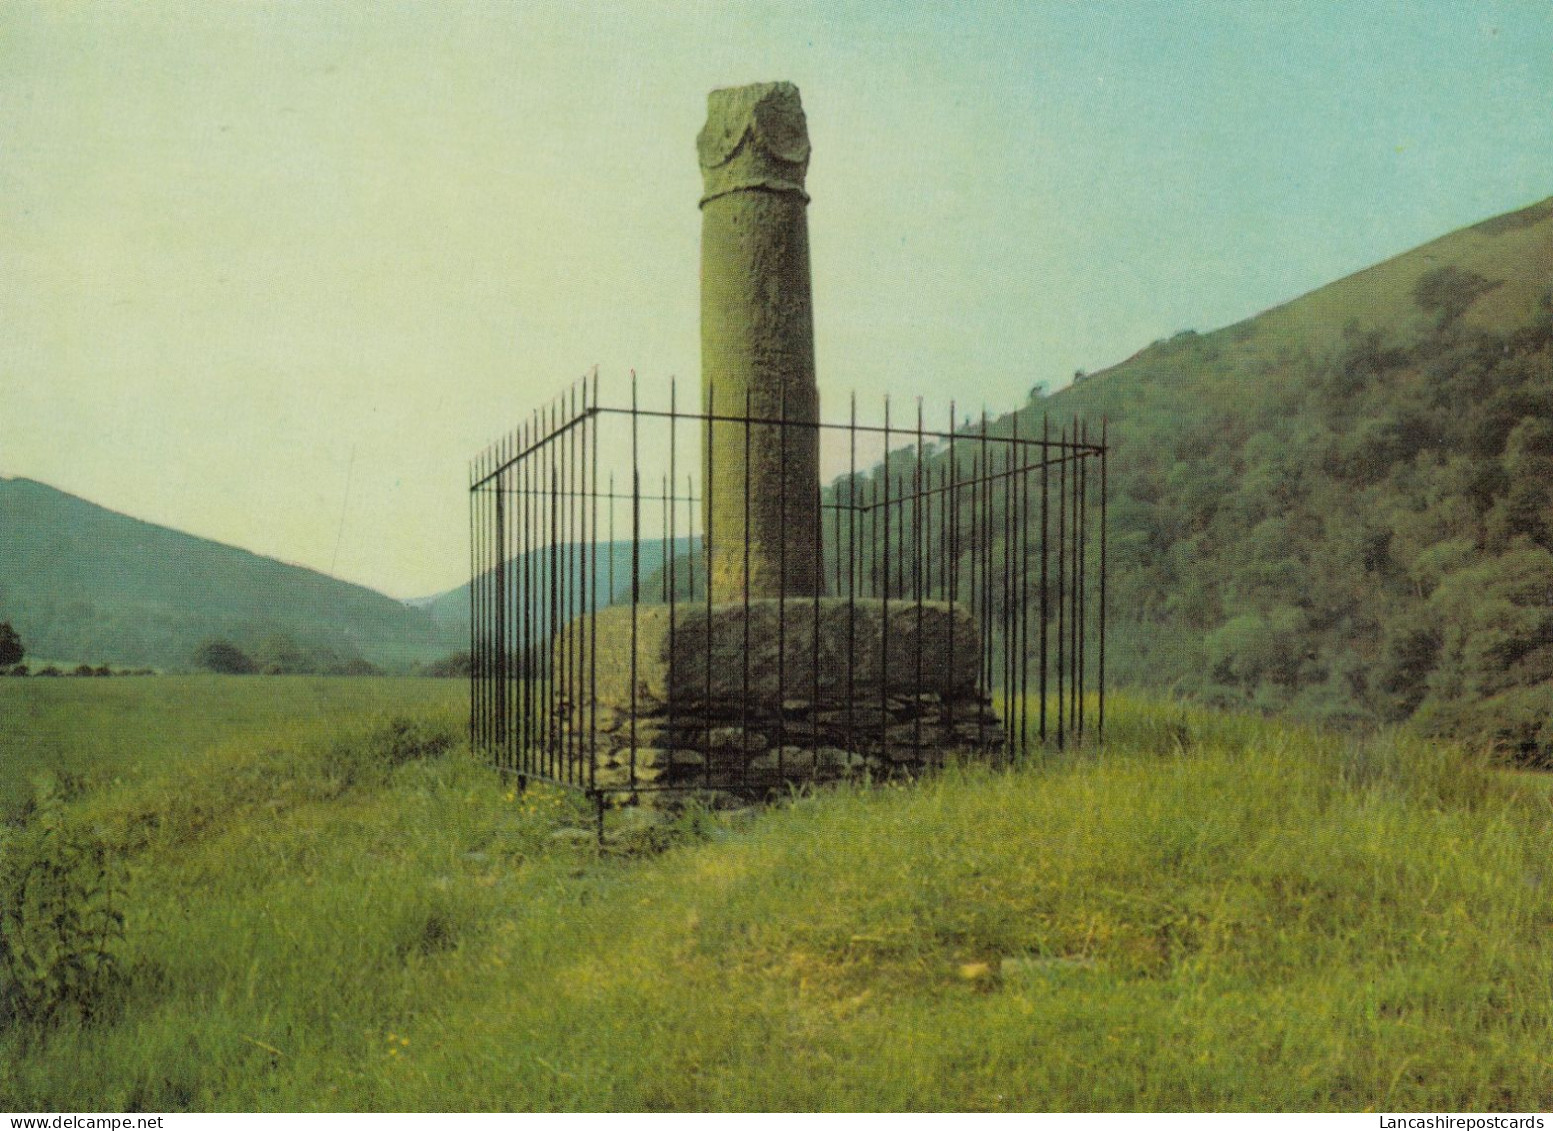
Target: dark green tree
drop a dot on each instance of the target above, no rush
(224, 657)
(11, 649)
(455, 665)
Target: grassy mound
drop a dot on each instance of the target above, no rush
(1215, 912)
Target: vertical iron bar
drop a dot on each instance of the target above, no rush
(1010, 704)
(555, 444)
(510, 566)
(521, 583)
(613, 551)
(494, 603)
(919, 542)
(573, 576)
(819, 558)
(1105, 452)
(499, 666)
(673, 508)
(541, 587)
(492, 607)
(1083, 574)
(781, 696)
(1073, 584)
(477, 607)
(536, 585)
(1062, 559)
(1069, 516)
(707, 536)
(564, 637)
(533, 470)
(541, 593)
(525, 610)
(559, 643)
(636, 564)
(973, 561)
(1045, 534)
(476, 592)
(852, 570)
(590, 601)
(946, 563)
(493, 597)
(476, 595)
(489, 655)
(487, 615)
(884, 651)
(474, 572)
(1024, 597)
(553, 644)
(512, 664)
(952, 559)
(986, 558)
(482, 634)
(579, 710)
(587, 593)
(511, 570)
(744, 697)
(503, 608)
(1016, 668)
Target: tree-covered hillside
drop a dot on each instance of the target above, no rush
(82, 583)
(1344, 507)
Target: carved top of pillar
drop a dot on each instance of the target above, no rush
(755, 137)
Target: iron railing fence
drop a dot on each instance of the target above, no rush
(590, 514)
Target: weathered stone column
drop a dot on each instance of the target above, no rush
(757, 341)
(769, 681)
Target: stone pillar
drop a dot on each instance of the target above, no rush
(757, 342)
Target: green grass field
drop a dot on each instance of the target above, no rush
(327, 911)
(137, 728)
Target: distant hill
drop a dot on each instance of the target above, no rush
(85, 584)
(1344, 506)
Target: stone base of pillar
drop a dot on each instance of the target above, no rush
(749, 697)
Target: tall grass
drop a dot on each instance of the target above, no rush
(1211, 912)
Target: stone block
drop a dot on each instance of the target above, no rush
(701, 657)
(797, 760)
(868, 712)
(908, 734)
(864, 716)
(836, 760)
(735, 738)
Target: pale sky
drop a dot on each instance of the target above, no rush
(250, 251)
